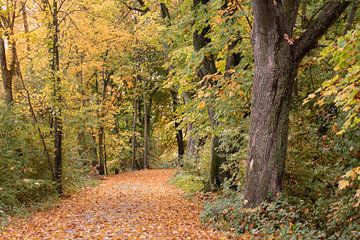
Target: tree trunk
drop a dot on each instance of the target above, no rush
(101, 151)
(276, 61)
(146, 131)
(351, 18)
(94, 151)
(57, 122)
(215, 158)
(179, 133)
(7, 75)
(105, 155)
(134, 143)
(191, 137)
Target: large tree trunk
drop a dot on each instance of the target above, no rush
(276, 60)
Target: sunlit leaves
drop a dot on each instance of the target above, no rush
(344, 87)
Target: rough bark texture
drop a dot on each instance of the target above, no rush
(276, 61)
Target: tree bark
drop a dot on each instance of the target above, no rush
(7, 74)
(191, 140)
(36, 122)
(215, 158)
(165, 14)
(146, 129)
(179, 133)
(57, 122)
(207, 66)
(101, 134)
(351, 18)
(134, 143)
(276, 62)
(101, 151)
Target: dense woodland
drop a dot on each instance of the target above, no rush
(258, 101)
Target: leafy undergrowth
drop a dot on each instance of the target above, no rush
(138, 205)
(33, 195)
(189, 183)
(285, 218)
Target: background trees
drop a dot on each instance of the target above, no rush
(142, 84)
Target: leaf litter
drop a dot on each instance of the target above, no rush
(134, 205)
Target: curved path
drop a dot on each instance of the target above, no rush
(137, 205)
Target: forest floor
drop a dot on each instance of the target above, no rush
(136, 205)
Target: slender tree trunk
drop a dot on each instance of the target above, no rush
(352, 15)
(276, 61)
(94, 151)
(105, 155)
(101, 151)
(146, 130)
(134, 143)
(179, 133)
(191, 137)
(57, 122)
(165, 14)
(215, 158)
(33, 115)
(304, 13)
(207, 66)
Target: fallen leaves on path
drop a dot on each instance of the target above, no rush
(137, 205)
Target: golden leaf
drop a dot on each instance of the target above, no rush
(343, 184)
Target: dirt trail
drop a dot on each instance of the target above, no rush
(137, 205)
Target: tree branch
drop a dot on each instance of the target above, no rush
(330, 12)
(143, 10)
(351, 17)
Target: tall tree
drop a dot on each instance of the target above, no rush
(146, 126)
(57, 121)
(165, 14)
(277, 57)
(8, 68)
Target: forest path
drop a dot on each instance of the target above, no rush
(135, 205)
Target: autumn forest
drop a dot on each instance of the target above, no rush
(179, 119)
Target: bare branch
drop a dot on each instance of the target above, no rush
(330, 12)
